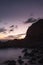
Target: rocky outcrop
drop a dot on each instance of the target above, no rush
(34, 35)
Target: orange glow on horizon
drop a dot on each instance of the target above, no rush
(4, 37)
(22, 37)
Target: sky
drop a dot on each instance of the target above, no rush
(14, 14)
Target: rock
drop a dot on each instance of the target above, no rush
(34, 35)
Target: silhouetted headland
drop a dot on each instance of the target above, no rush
(34, 35)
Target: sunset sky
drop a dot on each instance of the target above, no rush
(14, 14)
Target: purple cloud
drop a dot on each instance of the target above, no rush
(11, 26)
(3, 30)
(30, 20)
(11, 30)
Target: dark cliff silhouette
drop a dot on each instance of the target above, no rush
(34, 37)
(35, 32)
